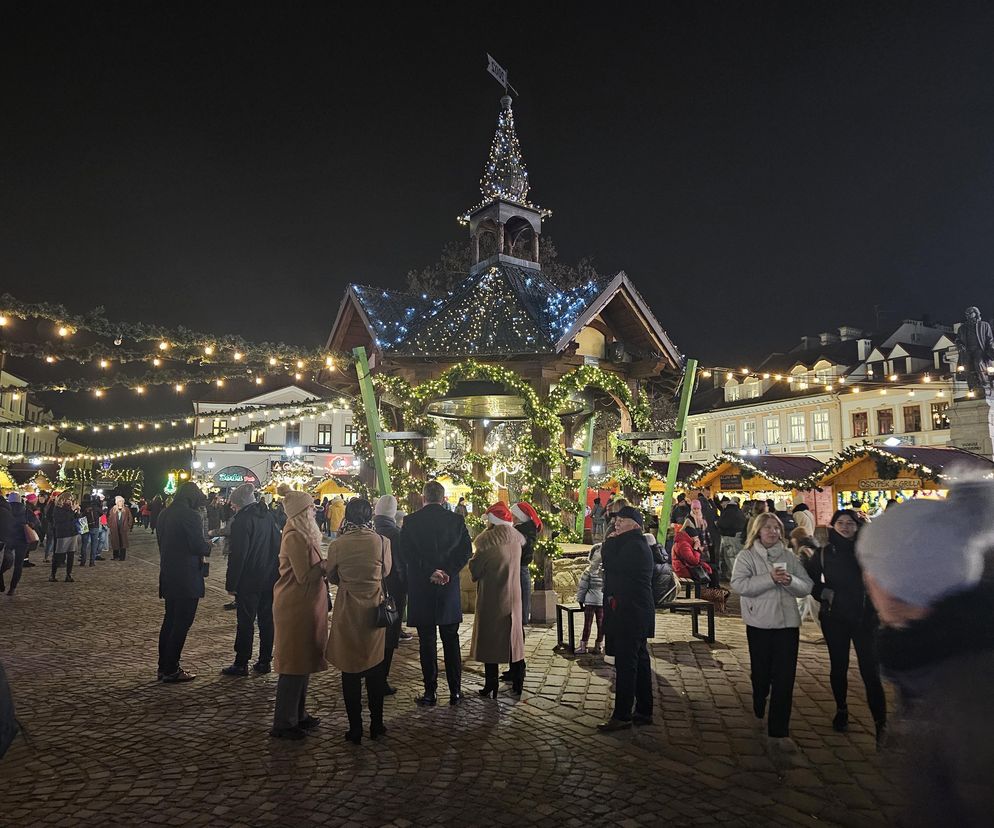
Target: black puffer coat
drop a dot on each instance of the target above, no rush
(253, 551)
(844, 576)
(629, 608)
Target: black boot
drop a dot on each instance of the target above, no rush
(352, 693)
(841, 721)
(518, 668)
(490, 685)
(124, 554)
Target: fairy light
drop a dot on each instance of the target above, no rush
(179, 387)
(855, 389)
(98, 392)
(3, 321)
(272, 360)
(49, 359)
(139, 389)
(300, 363)
(893, 378)
(209, 350)
(156, 362)
(163, 346)
(258, 380)
(237, 355)
(705, 373)
(63, 331)
(219, 382)
(329, 362)
(297, 376)
(103, 363)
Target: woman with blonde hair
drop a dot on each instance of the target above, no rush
(65, 528)
(769, 578)
(300, 617)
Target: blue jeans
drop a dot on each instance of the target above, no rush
(93, 539)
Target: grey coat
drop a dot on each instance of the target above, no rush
(765, 603)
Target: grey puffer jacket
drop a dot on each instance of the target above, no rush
(765, 603)
(590, 589)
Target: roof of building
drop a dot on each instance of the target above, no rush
(845, 352)
(244, 392)
(660, 468)
(942, 458)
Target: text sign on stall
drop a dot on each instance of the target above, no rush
(730, 482)
(876, 484)
(231, 476)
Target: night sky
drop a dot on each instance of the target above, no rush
(761, 170)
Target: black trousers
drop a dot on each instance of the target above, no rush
(633, 677)
(180, 613)
(291, 699)
(60, 558)
(352, 693)
(838, 634)
(252, 607)
(773, 659)
(450, 650)
(13, 558)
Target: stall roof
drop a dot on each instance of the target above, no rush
(940, 458)
(932, 462)
(661, 468)
(786, 470)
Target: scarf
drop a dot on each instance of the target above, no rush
(349, 526)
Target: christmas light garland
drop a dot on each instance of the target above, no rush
(748, 470)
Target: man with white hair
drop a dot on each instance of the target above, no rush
(923, 563)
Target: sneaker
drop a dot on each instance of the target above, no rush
(235, 670)
(262, 667)
(613, 724)
(179, 676)
(580, 650)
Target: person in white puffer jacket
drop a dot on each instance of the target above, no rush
(769, 579)
(590, 596)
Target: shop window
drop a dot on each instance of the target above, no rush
(772, 431)
(860, 424)
(731, 435)
(257, 436)
(218, 427)
(749, 434)
(324, 434)
(798, 432)
(885, 421)
(940, 415)
(912, 418)
(820, 426)
(293, 433)
(701, 438)
(351, 435)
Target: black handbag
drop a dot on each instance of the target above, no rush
(386, 611)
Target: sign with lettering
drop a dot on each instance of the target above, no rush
(876, 484)
(262, 447)
(730, 482)
(231, 476)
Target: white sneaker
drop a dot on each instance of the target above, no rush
(580, 650)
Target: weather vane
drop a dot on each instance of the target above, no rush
(499, 72)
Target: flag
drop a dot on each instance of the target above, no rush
(498, 71)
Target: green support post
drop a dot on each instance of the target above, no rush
(372, 420)
(689, 376)
(588, 446)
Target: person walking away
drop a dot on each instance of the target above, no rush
(146, 514)
(769, 579)
(34, 506)
(358, 561)
(182, 553)
(804, 519)
(66, 534)
(936, 644)
(731, 523)
(119, 524)
(154, 510)
(385, 524)
(664, 584)
(22, 523)
(630, 618)
(436, 547)
(336, 514)
(590, 596)
(6, 530)
(300, 618)
(498, 634)
(253, 569)
(529, 524)
(847, 617)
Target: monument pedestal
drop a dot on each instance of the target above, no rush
(971, 426)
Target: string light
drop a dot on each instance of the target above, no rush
(139, 389)
(103, 363)
(98, 392)
(156, 362)
(63, 331)
(237, 355)
(272, 360)
(209, 350)
(49, 359)
(163, 346)
(179, 387)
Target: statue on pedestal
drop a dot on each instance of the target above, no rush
(975, 343)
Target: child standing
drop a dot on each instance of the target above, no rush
(590, 596)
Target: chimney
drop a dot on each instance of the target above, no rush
(827, 338)
(847, 332)
(863, 348)
(809, 342)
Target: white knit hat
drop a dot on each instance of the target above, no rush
(386, 506)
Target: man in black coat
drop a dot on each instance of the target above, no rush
(630, 618)
(253, 570)
(182, 548)
(436, 547)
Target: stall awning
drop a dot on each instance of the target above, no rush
(878, 468)
(755, 473)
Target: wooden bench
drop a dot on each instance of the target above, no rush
(569, 610)
(693, 607)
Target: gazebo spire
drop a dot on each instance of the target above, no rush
(505, 175)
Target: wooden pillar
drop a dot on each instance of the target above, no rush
(535, 247)
(500, 238)
(476, 248)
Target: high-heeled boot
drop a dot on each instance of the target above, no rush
(490, 687)
(519, 677)
(352, 693)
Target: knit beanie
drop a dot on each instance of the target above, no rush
(243, 496)
(386, 506)
(923, 550)
(296, 502)
(13, 497)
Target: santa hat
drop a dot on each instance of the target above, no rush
(500, 515)
(525, 511)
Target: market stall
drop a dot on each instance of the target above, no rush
(866, 477)
(756, 477)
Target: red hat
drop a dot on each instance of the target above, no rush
(500, 515)
(525, 511)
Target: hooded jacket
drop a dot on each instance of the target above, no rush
(684, 556)
(253, 551)
(590, 589)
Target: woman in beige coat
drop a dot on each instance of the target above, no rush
(119, 522)
(300, 617)
(358, 561)
(498, 636)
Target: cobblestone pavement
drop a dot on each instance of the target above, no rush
(111, 746)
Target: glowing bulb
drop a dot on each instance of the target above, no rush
(139, 389)
(103, 363)
(883, 392)
(98, 393)
(296, 376)
(178, 387)
(220, 382)
(208, 349)
(855, 389)
(893, 377)
(49, 359)
(777, 377)
(156, 362)
(258, 380)
(705, 373)
(329, 362)
(272, 360)
(163, 346)
(63, 331)
(927, 378)
(3, 321)
(237, 355)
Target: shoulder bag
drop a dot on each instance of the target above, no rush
(386, 611)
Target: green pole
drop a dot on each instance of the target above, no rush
(689, 375)
(372, 420)
(588, 446)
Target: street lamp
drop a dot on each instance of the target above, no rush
(210, 464)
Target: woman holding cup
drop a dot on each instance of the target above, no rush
(769, 579)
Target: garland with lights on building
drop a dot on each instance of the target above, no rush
(748, 470)
(888, 465)
(133, 477)
(172, 343)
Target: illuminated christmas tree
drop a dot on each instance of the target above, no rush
(505, 175)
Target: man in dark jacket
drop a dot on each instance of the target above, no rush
(436, 547)
(731, 525)
(182, 548)
(630, 618)
(253, 569)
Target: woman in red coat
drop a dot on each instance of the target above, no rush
(686, 555)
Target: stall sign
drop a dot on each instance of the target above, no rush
(262, 447)
(730, 482)
(341, 463)
(876, 484)
(291, 467)
(231, 476)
